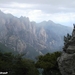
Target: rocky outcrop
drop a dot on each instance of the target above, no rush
(66, 61)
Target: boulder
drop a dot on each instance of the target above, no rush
(66, 61)
(67, 64)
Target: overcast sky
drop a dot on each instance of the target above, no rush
(59, 11)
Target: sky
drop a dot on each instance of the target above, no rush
(59, 11)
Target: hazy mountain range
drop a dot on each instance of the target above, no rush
(31, 38)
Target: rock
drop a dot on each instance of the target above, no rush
(67, 64)
(19, 33)
(66, 61)
(71, 49)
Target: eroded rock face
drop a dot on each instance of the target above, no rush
(67, 64)
(66, 61)
(24, 36)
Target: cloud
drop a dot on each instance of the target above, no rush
(48, 6)
(60, 11)
(56, 2)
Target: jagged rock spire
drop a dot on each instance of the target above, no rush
(73, 33)
(66, 61)
(70, 45)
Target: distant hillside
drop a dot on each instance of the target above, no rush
(5, 49)
(33, 38)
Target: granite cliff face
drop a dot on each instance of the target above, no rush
(20, 34)
(66, 61)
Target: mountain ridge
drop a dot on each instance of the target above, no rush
(18, 33)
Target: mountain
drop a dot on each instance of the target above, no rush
(31, 38)
(5, 49)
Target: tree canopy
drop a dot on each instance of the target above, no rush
(16, 65)
(48, 63)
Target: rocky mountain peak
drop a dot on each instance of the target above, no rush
(21, 35)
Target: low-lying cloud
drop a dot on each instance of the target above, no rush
(60, 11)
